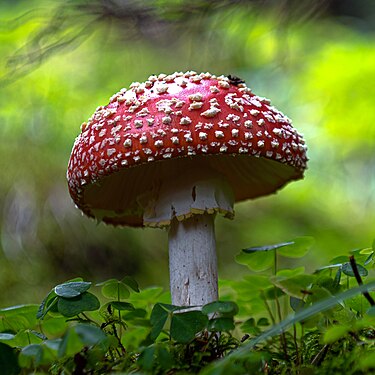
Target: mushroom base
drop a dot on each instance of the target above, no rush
(192, 261)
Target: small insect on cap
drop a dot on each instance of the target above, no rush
(156, 134)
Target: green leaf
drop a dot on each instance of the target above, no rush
(50, 350)
(361, 254)
(70, 344)
(367, 251)
(70, 307)
(339, 260)
(327, 282)
(252, 283)
(317, 293)
(223, 308)
(184, 326)
(344, 316)
(263, 322)
(348, 270)
(131, 283)
(369, 259)
(335, 333)
(296, 248)
(72, 289)
(331, 266)
(17, 318)
(31, 356)
(221, 325)
(272, 293)
(115, 289)
(146, 358)
(135, 314)
(164, 358)
(53, 344)
(299, 248)
(296, 303)
(48, 304)
(158, 318)
(357, 303)
(286, 273)
(336, 281)
(255, 249)
(256, 261)
(42, 311)
(37, 334)
(371, 311)
(250, 327)
(294, 286)
(90, 335)
(8, 360)
(154, 358)
(54, 325)
(52, 305)
(160, 310)
(22, 338)
(7, 336)
(122, 306)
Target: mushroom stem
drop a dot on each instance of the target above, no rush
(192, 261)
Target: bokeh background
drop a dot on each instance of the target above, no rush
(59, 60)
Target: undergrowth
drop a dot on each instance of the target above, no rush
(273, 321)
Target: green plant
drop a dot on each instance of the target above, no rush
(283, 321)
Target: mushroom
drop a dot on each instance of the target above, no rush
(173, 152)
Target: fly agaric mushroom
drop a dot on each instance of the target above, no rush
(173, 152)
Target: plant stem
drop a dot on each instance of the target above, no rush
(119, 312)
(89, 320)
(275, 263)
(318, 359)
(282, 335)
(268, 307)
(359, 280)
(298, 363)
(118, 340)
(302, 343)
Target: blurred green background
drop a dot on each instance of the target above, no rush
(59, 60)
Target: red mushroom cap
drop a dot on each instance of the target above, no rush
(153, 128)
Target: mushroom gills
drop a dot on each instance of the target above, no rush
(121, 198)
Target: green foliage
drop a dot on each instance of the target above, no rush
(118, 289)
(69, 299)
(310, 323)
(319, 73)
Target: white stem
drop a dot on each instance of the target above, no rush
(192, 261)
